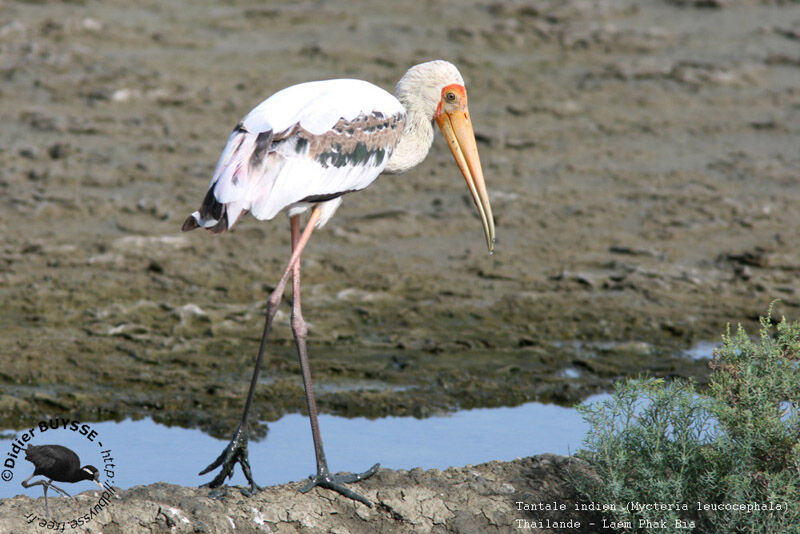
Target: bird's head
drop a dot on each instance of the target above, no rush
(439, 89)
(90, 472)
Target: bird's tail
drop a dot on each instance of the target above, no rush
(212, 215)
(226, 199)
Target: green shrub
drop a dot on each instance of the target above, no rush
(724, 460)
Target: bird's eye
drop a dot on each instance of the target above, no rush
(450, 96)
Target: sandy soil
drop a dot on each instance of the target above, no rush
(642, 160)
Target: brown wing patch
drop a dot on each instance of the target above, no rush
(351, 142)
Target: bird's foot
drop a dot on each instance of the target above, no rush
(336, 483)
(235, 452)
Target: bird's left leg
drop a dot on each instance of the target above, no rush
(43, 483)
(323, 477)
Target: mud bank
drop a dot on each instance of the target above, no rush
(491, 497)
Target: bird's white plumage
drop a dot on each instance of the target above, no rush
(288, 174)
(317, 180)
(317, 106)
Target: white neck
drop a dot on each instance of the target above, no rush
(417, 137)
(419, 90)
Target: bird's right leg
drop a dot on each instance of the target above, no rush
(50, 484)
(324, 478)
(236, 451)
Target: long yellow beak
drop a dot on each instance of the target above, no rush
(457, 130)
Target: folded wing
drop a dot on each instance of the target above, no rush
(308, 143)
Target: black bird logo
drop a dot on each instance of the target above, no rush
(56, 462)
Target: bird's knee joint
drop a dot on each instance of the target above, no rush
(273, 302)
(299, 325)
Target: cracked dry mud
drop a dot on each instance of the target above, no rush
(473, 499)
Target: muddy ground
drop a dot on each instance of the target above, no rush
(489, 498)
(641, 156)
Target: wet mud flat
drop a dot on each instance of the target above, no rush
(641, 158)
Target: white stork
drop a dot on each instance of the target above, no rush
(305, 147)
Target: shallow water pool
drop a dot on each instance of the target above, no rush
(144, 452)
